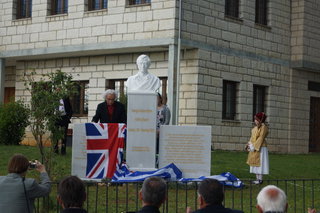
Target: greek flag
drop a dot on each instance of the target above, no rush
(172, 173)
(225, 178)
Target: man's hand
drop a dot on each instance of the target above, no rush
(40, 167)
(312, 210)
(189, 210)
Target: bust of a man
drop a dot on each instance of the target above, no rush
(143, 80)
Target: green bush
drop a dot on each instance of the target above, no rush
(14, 118)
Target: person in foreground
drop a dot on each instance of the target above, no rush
(258, 158)
(17, 193)
(152, 194)
(110, 111)
(210, 198)
(271, 199)
(71, 195)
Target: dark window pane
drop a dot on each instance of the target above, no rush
(59, 7)
(314, 86)
(75, 100)
(24, 9)
(259, 93)
(232, 8)
(97, 4)
(136, 2)
(229, 100)
(79, 101)
(261, 12)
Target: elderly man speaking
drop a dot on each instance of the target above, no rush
(110, 111)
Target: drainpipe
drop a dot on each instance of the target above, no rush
(178, 64)
(2, 77)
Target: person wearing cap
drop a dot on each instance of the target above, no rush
(110, 111)
(258, 159)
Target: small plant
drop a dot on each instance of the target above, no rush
(14, 118)
(46, 94)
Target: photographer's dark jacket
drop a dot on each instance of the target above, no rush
(13, 198)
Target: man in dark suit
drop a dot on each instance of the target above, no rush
(211, 197)
(152, 194)
(110, 111)
(63, 122)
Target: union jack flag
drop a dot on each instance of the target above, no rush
(105, 143)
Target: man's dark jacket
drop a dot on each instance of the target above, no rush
(119, 114)
(217, 209)
(149, 209)
(65, 119)
(74, 210)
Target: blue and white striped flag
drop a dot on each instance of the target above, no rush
(170, 172)
(225, 178)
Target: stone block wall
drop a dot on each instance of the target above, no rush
(188, 88)
(207, 82)
(305, 31)
(205, 21)
(300, 110)
(119, 22)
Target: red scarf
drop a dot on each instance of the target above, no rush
(110, 110)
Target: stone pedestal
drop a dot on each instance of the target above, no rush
(141, 130)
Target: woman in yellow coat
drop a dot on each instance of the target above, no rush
(258, 158)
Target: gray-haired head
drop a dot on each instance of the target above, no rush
(143, 63)
(154, 190)
(109, 92)
(272, 198)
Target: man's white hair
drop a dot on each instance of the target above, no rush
(109, 92)
(272, 198)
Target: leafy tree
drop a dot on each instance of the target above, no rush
(46, 94)
(14, 118)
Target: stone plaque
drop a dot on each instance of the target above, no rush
(188, 147)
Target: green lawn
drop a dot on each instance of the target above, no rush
(282, 166)
(301, 194)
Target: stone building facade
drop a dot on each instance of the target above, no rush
(231, 62)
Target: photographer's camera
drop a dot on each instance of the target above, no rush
(32, 165)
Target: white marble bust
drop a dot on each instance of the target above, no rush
(143, 80)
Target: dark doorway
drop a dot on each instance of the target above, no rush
(9, 94)
(314, 128)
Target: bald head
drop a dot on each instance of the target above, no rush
(271, 198)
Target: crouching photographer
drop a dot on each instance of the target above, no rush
(18, 193)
